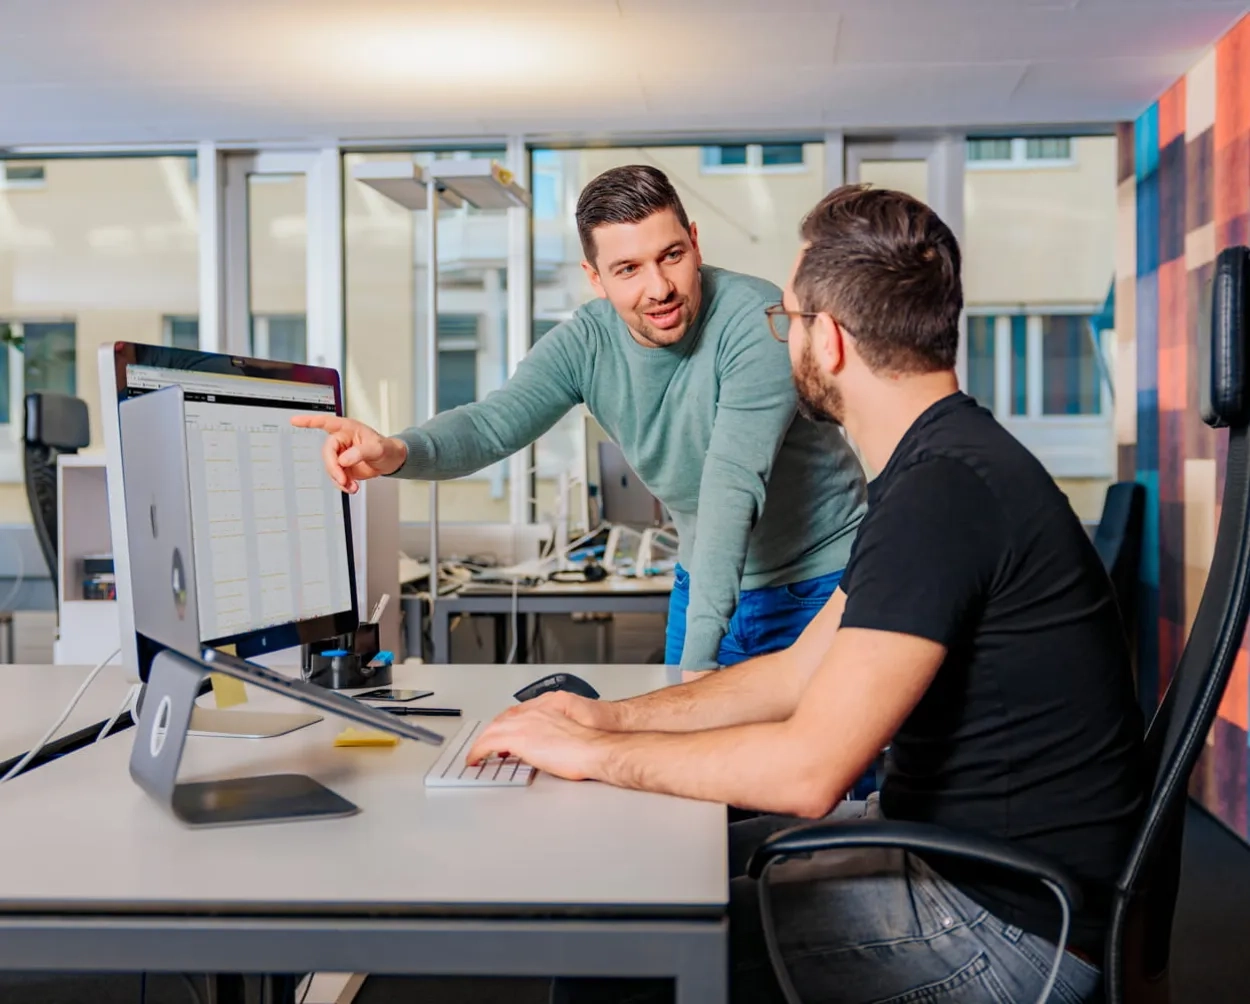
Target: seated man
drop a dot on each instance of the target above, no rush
(975, 631)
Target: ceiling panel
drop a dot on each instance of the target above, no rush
(265, 69)
(1006, 33)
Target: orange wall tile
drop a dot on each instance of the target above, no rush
(1172, 113)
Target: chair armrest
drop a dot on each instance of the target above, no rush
(920, 837)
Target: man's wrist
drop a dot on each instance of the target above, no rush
(608, 760)
(397, 451)
(622, 716)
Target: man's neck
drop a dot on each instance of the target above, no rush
(889, 408)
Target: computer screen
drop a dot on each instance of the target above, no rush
(272, 537)
(270, 542)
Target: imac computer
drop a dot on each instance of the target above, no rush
(294, 581)
(234, 543)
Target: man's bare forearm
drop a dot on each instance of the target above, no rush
(761, 690)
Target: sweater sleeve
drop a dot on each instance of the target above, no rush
(755, 406)
(545, 386)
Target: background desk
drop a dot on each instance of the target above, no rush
(31, 698)
(613, 595)
(556, 879)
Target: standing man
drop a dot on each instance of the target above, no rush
(975, 630)
(675, 361)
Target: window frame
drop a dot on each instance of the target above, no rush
(8, 184)
(260, 335)
(755, 160)
(1067, 445)
(12, 427)
(1019, 161)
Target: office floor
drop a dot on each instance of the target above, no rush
(1209, 959)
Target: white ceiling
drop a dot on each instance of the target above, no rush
(153, 71)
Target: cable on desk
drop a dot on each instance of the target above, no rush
(73, 703)
(143, 988)
(128, 704)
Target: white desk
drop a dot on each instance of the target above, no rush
(31, 698)
(556, 879)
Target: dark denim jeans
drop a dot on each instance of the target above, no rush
(870, 926)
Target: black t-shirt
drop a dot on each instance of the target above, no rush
(1030, 731)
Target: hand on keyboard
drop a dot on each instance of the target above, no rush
(451, 770)
(541, 735)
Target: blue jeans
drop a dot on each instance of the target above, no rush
(870, 926)
(766, 620)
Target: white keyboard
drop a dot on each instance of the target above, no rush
(450, 770)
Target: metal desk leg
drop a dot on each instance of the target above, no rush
(227, 988)
(703, 976)
(440, 628)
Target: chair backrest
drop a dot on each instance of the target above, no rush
(1141, 924)
(55, 424)
(1118, 541)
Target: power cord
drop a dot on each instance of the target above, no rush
(128, 704)
(73, 703)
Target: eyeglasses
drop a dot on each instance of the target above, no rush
(779, 320)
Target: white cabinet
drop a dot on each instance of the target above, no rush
(87, 630)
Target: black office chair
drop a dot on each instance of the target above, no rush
(1135, 967)
(1118, 541)
(55, 424)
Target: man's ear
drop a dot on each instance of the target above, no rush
(829, 343)
(595, 282)
(694, 240)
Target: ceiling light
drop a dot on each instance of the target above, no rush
(402, 181)
(481, 183)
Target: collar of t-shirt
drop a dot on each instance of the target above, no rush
(913, 438)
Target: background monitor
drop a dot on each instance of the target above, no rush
(272, 532)
(623, 499)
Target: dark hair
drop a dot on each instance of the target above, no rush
(885, 266)
(625, 195)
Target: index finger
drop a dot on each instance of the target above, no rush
(331, 423)
(486, 744)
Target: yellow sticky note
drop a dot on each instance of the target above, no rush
(227, 691)
(364, 737)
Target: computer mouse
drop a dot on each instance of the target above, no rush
(557, 681)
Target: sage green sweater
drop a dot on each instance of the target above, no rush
(708, 424)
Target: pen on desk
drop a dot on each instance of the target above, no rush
(378, 610)
(431, 712)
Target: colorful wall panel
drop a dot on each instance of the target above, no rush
(1184, 194)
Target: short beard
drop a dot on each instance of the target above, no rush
(819, 400)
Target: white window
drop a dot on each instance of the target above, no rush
(279, 336)
(18, 174)
(182, 332)
(1019, 153)
(752, 158)
(457, 360)
(1044, 374)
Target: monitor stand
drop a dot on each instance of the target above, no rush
(231, 723)
(173, 685)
